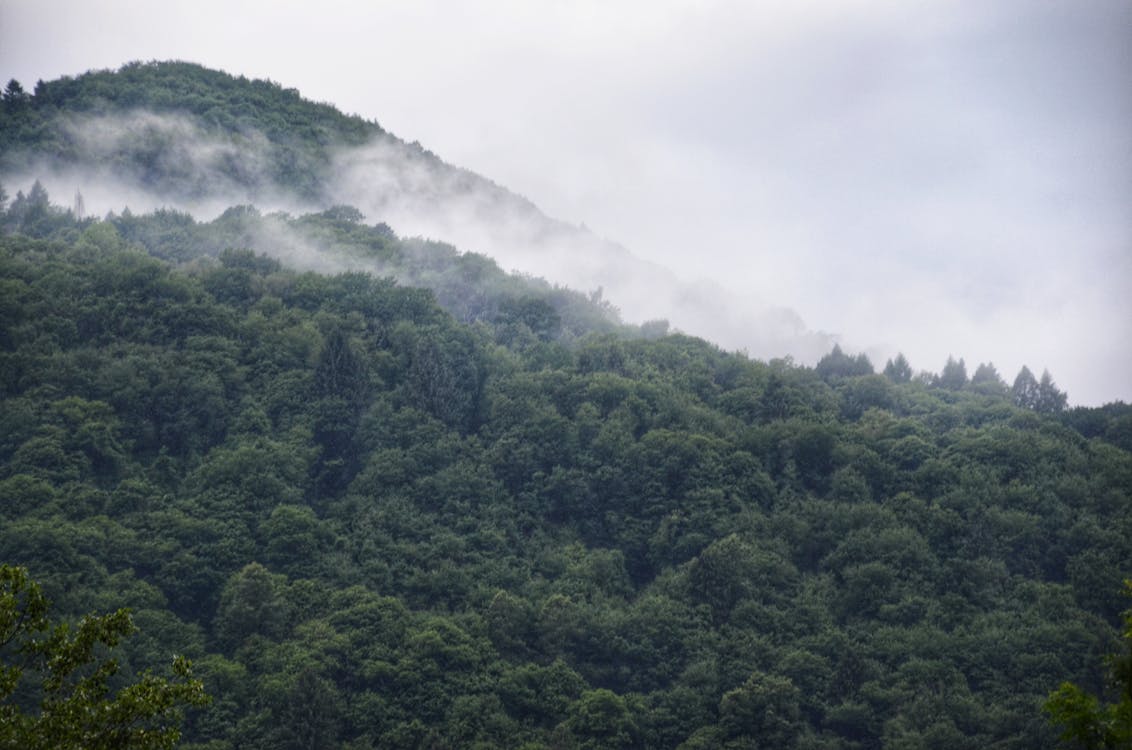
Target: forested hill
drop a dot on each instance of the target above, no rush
(272, 138)
(181, 136)
(370, 523)
(384, 494)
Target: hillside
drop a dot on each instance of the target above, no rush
(180, 136)
(384, 494)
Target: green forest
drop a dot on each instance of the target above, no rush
(388, 495)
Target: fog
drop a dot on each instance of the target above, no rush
(201, 173)
(421, 198)
(941, 178)
(143, 161)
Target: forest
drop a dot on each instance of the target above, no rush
(383, 494)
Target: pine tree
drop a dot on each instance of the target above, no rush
(1024, 393)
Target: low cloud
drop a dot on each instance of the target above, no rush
(144, 161)
(943, 177)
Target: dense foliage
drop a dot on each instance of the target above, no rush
(299, 133)
(369, 522)
(54, 682)
(180, 130)
(385, 495)
(1091, 723)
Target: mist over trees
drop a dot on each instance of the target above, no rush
(179, 136)
(384, 494)
(369, 518)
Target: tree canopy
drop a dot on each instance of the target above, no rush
(1086, 721)
(71, 704)
(386, 495)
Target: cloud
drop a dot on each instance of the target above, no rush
(145, 160)
(945, 177)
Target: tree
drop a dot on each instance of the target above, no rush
(75, 708)
(250, 604)
(445, 375)
(837, 364)
(536, 314)
(1086, 722)
(1050, 399)
(293, 539)
(340, 372)
(987, 380)
(308, 714)
(79, 209)
(14, 95)
(764, 708)
(33, 214)
(954, 375)
(898, 370)
(1024, 393)
(601, 719)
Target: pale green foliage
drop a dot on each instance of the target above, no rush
(75, 707)
(1087, 723)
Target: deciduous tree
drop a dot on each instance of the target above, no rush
(72, 705)
(1086, 721)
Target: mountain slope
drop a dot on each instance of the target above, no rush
(484, 514)
(372, 525)
(180, 135)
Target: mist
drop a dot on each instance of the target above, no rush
(204, 172)
(948, 178)
(424, 197)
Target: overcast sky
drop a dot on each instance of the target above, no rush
(941, 178)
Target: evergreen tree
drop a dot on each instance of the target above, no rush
(14, 95)
(838, 364)
(1050, 400)
(987, 375)
(898, 370)
(1025, 392)
(954, 375)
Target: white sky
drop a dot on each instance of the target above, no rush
(941, 178)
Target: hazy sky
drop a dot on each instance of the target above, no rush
(941, 178)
